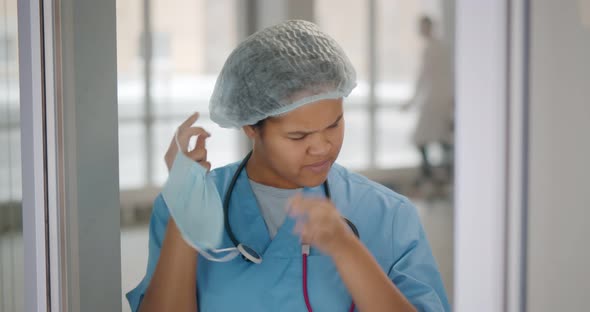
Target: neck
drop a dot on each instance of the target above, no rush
(259, 171)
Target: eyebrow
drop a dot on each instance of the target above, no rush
(311, 132)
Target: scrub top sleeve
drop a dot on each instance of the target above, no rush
(158, 223)
(414, 270)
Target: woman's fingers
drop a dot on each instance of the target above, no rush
(318, 222)
(307, 237)
(201, 140)
(184, 136)
(182, 139)
(189, 121)
(198, 154)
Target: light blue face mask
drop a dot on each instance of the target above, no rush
(194, 204)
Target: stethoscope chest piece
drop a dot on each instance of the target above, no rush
(249, 254)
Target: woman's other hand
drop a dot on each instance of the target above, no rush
(320, 224)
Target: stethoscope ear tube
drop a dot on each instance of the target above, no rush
(227, 198)
(352, 227)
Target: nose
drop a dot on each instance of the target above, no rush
(320, 145)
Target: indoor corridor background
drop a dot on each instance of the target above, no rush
(505, 210)
(162, 83)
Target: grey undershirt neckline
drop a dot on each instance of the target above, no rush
(272, 202)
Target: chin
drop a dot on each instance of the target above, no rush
(313, 180)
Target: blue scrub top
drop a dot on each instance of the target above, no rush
(388, 226)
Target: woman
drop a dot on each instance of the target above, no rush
(434, 98)
(342, 238)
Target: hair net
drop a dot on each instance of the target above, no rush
(277, 70)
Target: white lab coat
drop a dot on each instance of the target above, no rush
(434, 95)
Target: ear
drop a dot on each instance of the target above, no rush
(249, 131)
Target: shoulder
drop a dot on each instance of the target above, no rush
(359, 186)
(369, 202)
(384, 218)
(222, 175)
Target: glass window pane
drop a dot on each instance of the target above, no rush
(163, 133)
(11, 242)
(348, 26)
(10, 164)
(5, 164)
(400, 46)
(398, 50)
(130, 64)
(132, 158)
(193, 39)
(355, 149)
(394, 139)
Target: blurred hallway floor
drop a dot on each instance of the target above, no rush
(437, 218)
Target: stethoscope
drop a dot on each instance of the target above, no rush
(250, 254)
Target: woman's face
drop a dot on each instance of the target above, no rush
(297, 149)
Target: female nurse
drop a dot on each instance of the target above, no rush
(326, 239)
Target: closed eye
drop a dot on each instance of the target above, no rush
(336, 123)
(300, 135)
(299, 138)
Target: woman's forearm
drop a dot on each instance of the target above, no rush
(368, 285)
(173, 285)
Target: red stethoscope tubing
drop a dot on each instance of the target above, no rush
(305, 293)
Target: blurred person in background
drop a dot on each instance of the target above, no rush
(434, 99)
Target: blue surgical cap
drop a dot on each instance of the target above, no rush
(277, 70)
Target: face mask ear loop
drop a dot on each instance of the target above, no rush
(225, 258)
(176, 139)
(223, 249)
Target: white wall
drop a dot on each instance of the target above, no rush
(480, 58)
(559, 205)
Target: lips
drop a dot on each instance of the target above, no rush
(319, 166)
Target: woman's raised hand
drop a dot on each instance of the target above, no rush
(184, 133)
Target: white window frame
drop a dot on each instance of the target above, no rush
(71, 227)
